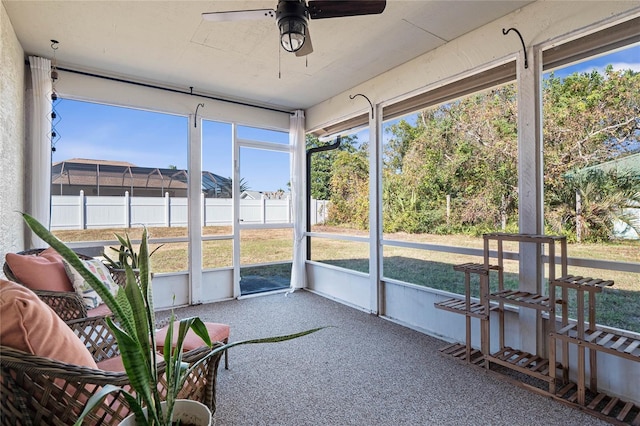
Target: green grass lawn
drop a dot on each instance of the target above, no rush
(616, 307)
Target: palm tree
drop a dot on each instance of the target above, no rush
(226, 189)
(601, 200)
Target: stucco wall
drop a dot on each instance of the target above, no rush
(11, 137)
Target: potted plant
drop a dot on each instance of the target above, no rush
(133, 327)
(126, 256)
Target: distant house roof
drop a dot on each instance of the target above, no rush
(101, 162)
(85, 172)
(627, 164)
(258, 195)
(251, 195)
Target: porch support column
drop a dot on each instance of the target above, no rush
(235, 216)
(195, 209)
(530, 199)
(375, 210)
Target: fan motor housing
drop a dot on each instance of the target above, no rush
(291, 8)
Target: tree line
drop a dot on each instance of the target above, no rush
(454, 167)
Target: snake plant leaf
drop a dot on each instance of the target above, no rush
(123, 242)
(178, 367)
(97, 398)
(72, 258)
(145, 271)
(139, 314)
(276, 339)
(134, 354)
(123, 301)
(132, 254)
(168, 350)
(226, 346)
(201, 331)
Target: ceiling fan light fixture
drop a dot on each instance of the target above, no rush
(293, 31)
(292, 18)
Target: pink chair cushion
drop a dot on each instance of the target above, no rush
(30, 325)
(217, 332)
(102, 310)
(40, 272)
(115, 364)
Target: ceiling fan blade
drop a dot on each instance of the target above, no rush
(239, 15)
(307, 47)
(321, 9)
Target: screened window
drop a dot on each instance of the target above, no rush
(339, 180)
(591, 136)
(115, 170)
(449, 174)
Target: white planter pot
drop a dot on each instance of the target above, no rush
(185, 410)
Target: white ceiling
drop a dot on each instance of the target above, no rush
(168, 43)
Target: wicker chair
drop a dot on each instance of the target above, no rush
(36, 390)
(68, 305)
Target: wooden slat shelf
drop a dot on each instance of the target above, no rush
(476, 268)
(551, 364)
(459, 306)
(598, 404)
(582, 283)
(601, 405)
(522, 298)
(585, 335)
(458, 351)
(524, 238)
(523, 362)
(603, 341)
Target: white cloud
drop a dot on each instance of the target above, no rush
(617, 66)
(626, 66)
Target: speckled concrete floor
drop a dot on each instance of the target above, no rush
(363, 370)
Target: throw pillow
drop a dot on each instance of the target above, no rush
(41, 272)
(29, 325)
(89, 296)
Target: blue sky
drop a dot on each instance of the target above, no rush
(149, 139)
(628, 58)
(95, 131)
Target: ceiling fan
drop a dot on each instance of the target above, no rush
(292, 17)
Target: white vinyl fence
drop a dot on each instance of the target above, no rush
(91, 212)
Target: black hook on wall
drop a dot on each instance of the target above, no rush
(524, 48)
(368, 100)
(195, 118)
